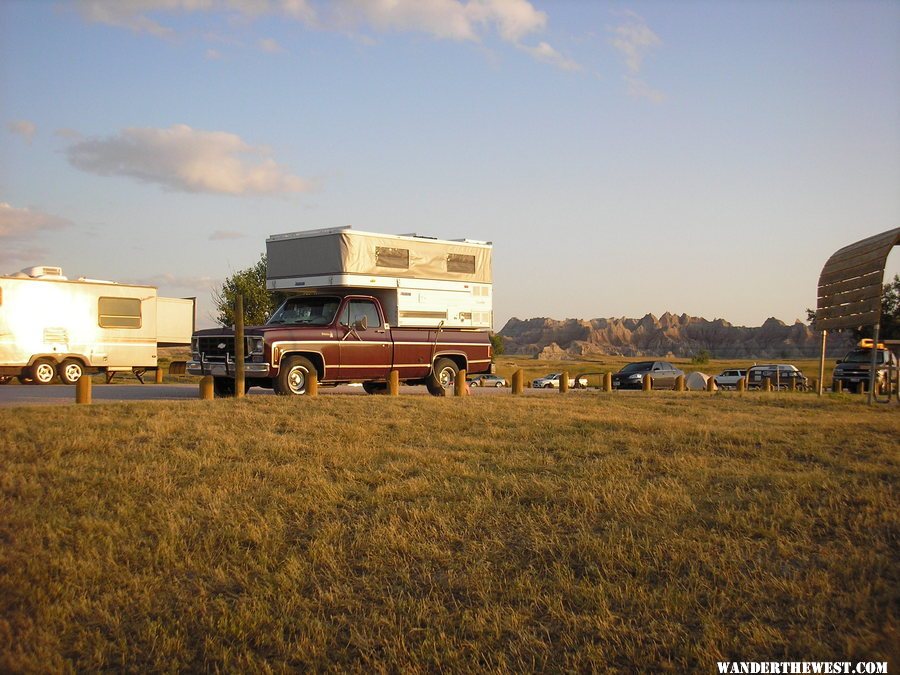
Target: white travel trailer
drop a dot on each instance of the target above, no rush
(51, 326)
(421, 282)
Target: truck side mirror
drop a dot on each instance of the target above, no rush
(361, 324)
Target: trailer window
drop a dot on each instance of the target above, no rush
(119, 313)
(392, 257)
(461, 263)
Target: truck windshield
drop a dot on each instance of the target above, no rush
(313, 311)
(865, 356)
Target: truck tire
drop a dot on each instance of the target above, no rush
(442, 377)
(223, 387)
(42, 371)
(70, 371)
(292, 376)
(374, 387)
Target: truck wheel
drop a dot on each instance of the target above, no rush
(442, 378)
(374, 387)
(42, 371)
(70, 371)
(223, 387)
(292, 376)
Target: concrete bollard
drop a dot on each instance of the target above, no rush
(837, 386)
(710, 384)
(679, 383)
(393, 383)
(206, 388)
(312, 383)
(459, 384)
(564, 382)
(766, 384)
(518, 382)
(607, 382)
(742, 384)
(83, 390)
(647, 383)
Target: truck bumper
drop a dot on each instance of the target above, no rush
(226, 369)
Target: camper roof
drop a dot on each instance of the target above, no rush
(402, 237)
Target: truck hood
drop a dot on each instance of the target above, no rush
(294, 331)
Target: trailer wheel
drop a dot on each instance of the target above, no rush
(43, 371)
(293, 375)
(70, 371)
(442, 378)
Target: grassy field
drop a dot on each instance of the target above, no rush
(589, 531)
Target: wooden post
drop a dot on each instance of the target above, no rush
(767, 384)
(518, 382)
(873, 374)
(822, 364)
(206, 388)
(459, 384)
(312, 383)
(837, 386)
(742, 384)
(159, 375)
(648, 382)
(393, 383)
(710, 384)
(607, 382)
(564, 382)
(83, 390)
(679, 383)
(793, 385)
(239, 347)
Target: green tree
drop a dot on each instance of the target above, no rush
(259, 303)
(497, 344)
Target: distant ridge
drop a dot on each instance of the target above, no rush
(670, 334)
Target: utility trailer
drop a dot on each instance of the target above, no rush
(52, 326)
(421, 282)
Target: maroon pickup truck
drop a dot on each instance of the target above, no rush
(342, 338)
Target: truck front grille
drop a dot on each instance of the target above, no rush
(216, 348)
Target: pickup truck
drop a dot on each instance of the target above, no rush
(856, 365)
(342, 339)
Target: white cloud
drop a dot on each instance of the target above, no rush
(24, 128)
(637, 88)
(547, 54)
(222, 235)
(212, 55)
(633, 39)
(19, 230)
(188, 160)
(67, 133)
(271, 46)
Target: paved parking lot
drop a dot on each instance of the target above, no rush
(60, 394)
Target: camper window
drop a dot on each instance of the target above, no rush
(119, 312)
(392, 257)
(461, 263)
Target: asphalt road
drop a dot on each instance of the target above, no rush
(60, 394)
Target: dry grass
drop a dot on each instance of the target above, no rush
(584, 532)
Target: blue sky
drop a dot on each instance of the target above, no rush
(624, 158)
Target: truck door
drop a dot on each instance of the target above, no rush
(365, 354)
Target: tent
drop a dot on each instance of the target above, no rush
(697, 382)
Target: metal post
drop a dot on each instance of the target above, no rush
(239, 346)
(822, 363)
(872, 373)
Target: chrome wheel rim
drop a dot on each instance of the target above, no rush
(72, 372)
(44, 373)
(297, 380)
(446, 377)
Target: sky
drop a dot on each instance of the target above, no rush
(623, 157)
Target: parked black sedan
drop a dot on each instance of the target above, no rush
(632, 375)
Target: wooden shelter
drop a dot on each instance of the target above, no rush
(850, 290)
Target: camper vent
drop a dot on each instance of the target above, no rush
(42, 272)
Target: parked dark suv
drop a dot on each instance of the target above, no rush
(780, 376)
(632, 375)
(854, 367)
